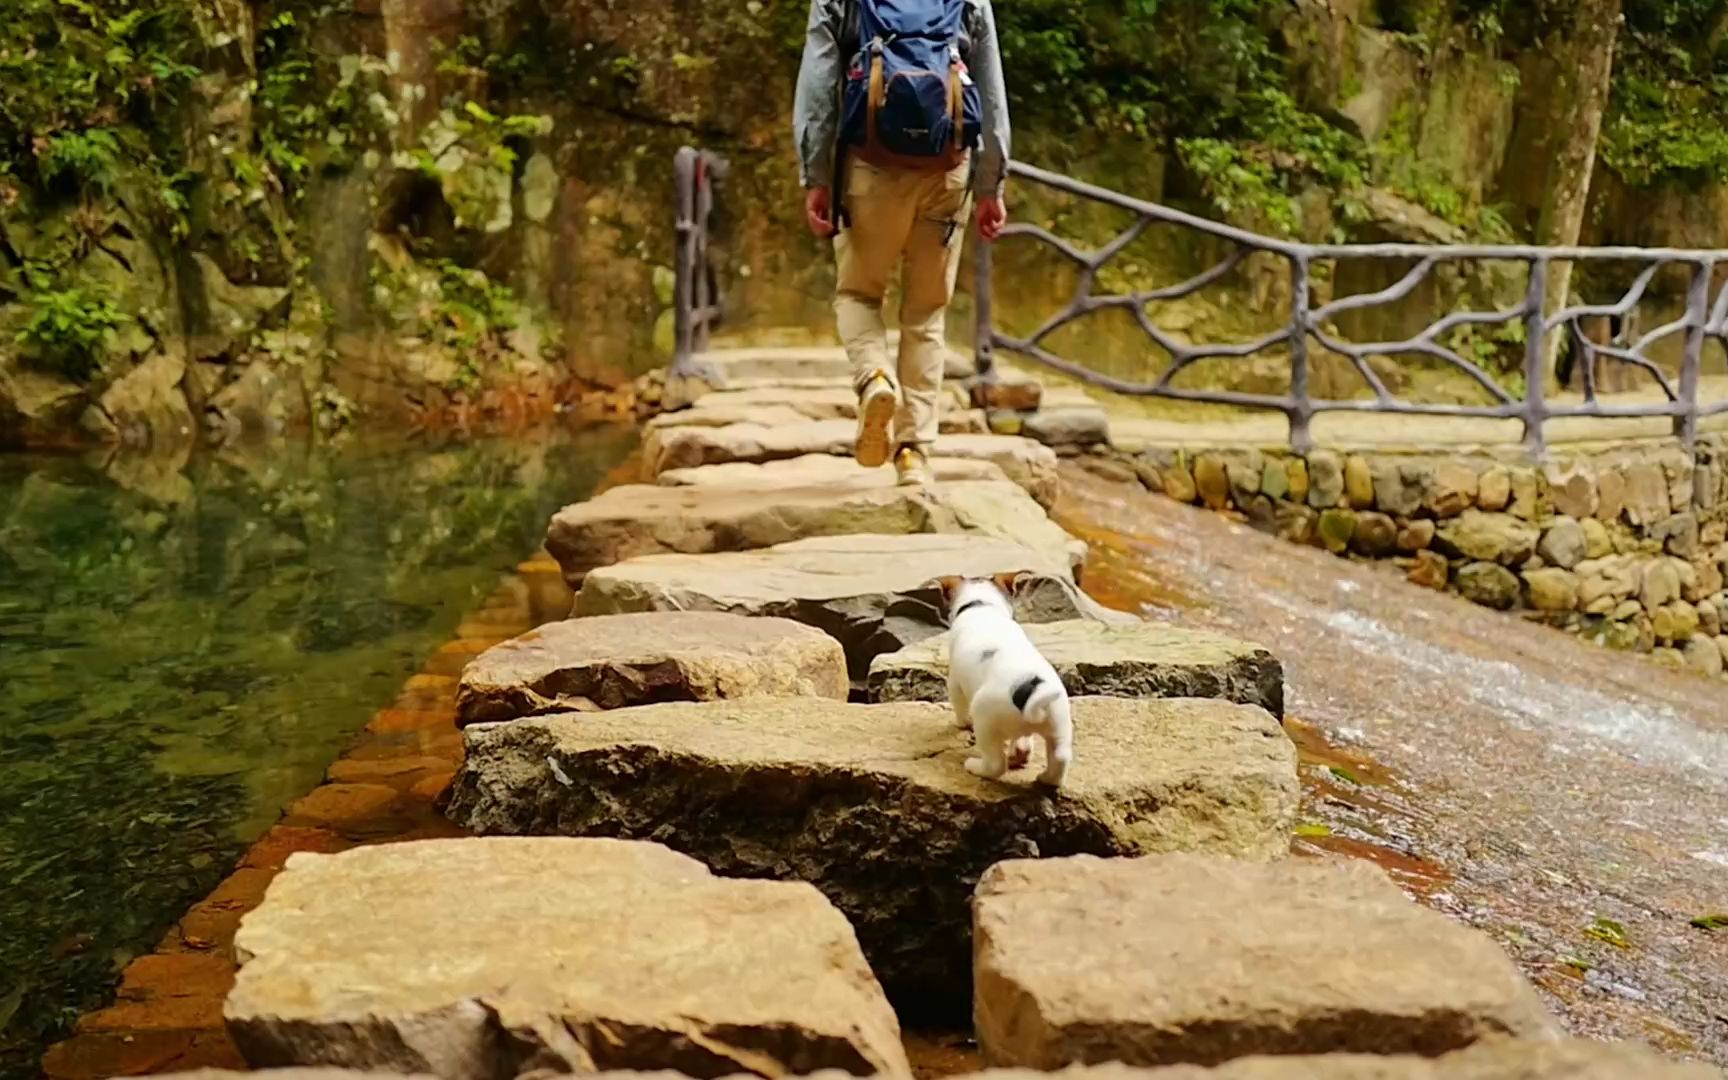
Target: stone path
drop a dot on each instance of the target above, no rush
(575, 956)
(645, 519)
(695, 855)
(1190, 959)
(873, 804)
(615, 661)
(873, 592)
(1134, 660)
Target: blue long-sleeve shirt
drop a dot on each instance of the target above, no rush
(816, 112)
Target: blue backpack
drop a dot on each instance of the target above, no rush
(907, 97)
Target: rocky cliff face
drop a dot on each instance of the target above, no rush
(293, 212)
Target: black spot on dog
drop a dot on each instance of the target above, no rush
(1023, 692)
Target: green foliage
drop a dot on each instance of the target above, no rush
(91, 158)
(1608, 931)
(86, 87)
(1203, 77)
(461, 310)
(313, 110)
(68, 328)
(1666, 118)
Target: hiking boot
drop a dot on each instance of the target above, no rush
(913, 467)
(877, 403)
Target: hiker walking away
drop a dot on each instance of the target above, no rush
(901, 118)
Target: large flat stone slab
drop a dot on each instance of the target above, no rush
(1506, 1059)
(811, 403)
(616, 661)
(311, 1072)
(1135, 660)
(874, 594)
(647, 519)
(1193, 959)
(785, 365)
(821, 470)
(873, 804)
(1027, 463)
(1503, 1059)
(798, 406)
(1030, 464)
(489, 958)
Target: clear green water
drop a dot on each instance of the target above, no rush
(185, 647)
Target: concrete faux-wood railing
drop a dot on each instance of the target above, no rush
(1307, 332)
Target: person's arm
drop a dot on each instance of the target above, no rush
(815, 112)
(986, 65)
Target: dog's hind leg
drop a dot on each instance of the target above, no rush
(962, 706)
(990, 762)
(1058, 744)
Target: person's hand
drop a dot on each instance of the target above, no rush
(992, 216)
(819, 211)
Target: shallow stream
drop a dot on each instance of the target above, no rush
(185, 646)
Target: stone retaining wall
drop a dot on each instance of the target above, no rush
(1623, 545)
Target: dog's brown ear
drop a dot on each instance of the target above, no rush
(1010, 583)
(950, 586)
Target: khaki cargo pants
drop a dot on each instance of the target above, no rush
(914, 222)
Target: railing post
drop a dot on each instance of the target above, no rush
(984, 330)
(1697, 315)
(1535, 358)
(683, 259)
(1301, 408)
(703, 198)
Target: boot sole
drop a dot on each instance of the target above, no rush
(875, 414)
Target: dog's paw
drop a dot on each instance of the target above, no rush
(976, 766)
(1020, 754)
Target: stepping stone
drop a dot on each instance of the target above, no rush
(310, 1072)
(473, 959)
(1081, 425)
(1506, 1059)
(735, 368)
(795, 407)
(647, 519)
(1025, 462)
(820, 470)
(873, 804)
(795, 365)
(1008, 389)
(1190, 959)
(875, 594)
(1502, 1059)
(1137, 660)
(619, 660)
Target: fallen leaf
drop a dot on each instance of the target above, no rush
(1610, 931)
(1711, 922)
(1313, 829)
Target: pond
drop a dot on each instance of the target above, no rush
(185, 646)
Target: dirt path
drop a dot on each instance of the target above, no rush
(1513, 776)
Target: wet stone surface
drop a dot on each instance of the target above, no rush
(888, 822)
(1567, 800)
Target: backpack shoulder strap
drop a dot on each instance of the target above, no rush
(847, 32)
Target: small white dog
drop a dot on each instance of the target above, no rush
(1000, 685)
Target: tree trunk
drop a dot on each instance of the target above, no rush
(1583, 57)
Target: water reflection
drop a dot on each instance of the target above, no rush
(186, 644)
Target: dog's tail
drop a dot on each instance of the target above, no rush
(1034, 695)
